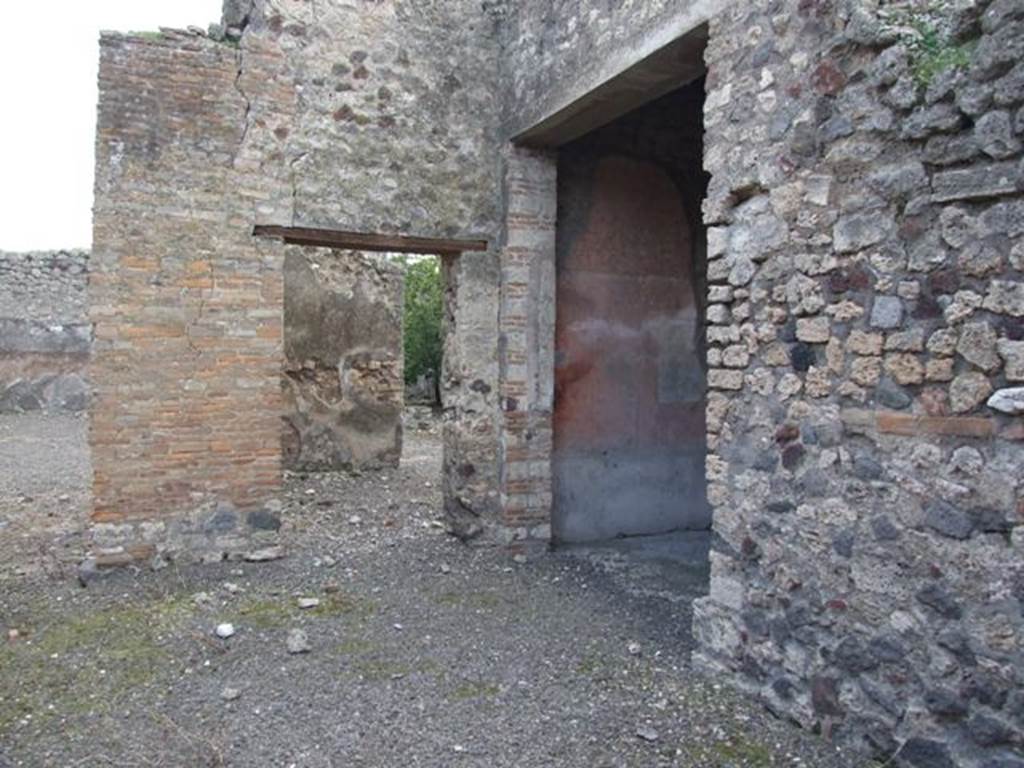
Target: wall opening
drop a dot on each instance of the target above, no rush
(342, 381)
(629, 409)
(363, 344)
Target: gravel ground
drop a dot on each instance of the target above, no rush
(423, 652)
(44, 501)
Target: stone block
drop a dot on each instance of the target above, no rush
(857, 231)
(813, 330)
(1005, 297)
(968, 391)
(977, 345)
(862, 343)
(976, 182)
(1012, 353)
(720, 378)
(1009, 401)
(886, 312)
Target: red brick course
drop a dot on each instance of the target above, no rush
(186, 305)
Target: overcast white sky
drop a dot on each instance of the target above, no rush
(48, 65)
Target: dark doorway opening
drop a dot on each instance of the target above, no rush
(629, 413)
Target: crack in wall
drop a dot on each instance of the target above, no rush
(246, 124)
(294, 185)
(202, 308)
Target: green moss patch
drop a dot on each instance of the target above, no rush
(475, 689)
(278, 612)
(71, 665)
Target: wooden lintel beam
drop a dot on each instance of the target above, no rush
(362, 241)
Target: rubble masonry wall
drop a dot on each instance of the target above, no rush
(866, 255)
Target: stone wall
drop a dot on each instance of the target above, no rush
(343, 382)
(865, 243)
(865, 296)
(397, 132)
(45, 335)
(396, 106)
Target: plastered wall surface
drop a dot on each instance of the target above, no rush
(342, 380)
(629, 432)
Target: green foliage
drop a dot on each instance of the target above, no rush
(422, 322)
(932, 53)
(924, 26)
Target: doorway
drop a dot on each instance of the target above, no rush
(629, 407)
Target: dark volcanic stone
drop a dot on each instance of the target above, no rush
(749, 549)
(925, 753)
(866, 468)
(782, 688)
(887, 649)
(884, 696)
(927, 307)
(802, 356)
(1005, 761)
(990, 520)
(787, 433)
(843, 543)
(944, 518)
(853, 656)
(884, 529)
(984, 688)
(263, 520)
(756, 623)
(780, 506)
(945, 703)
(224, 519)
(825, 696)
(792, 455)
(892, 395)
(957, 643)
(813, 482)
(939, 599)
(839, 282)
(944, 281)
(988, 732)
(861, 278)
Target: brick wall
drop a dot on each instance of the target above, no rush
(185, 429)
(526, 322)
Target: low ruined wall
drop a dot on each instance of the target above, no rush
(867, 249)
(343, 383)
(45, 335)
